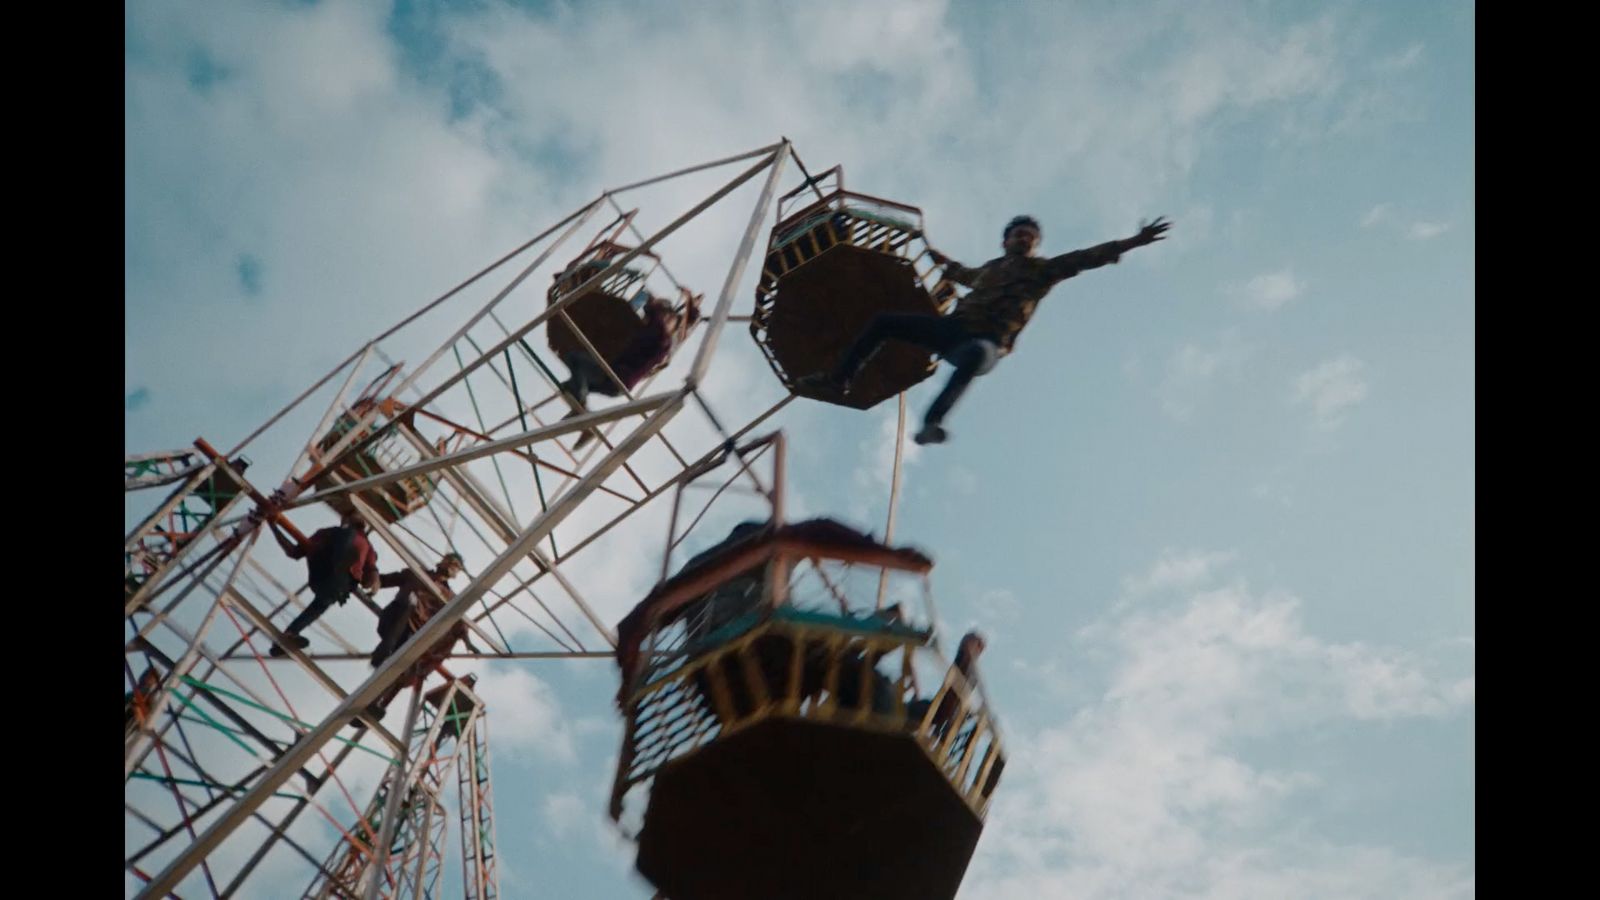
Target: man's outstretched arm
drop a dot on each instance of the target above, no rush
(1069, 264)
(953, 270)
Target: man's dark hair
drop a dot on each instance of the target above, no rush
(1018, 222)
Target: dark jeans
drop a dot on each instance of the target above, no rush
(971, 354)
(394, 629)
(320, 601)
(587, 377)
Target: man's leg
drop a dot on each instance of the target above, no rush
(596, 381)
(577, 384)
(971, 358)
(319, 604)
(380, 706)
(393, 638)
(599, 382)
(935, 333)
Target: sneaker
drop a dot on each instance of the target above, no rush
(376, 712)
(300, 642)
(931, 434)
(583, 439)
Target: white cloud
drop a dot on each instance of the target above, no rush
(1403, 60)
(996, 605)
(314, 157)
(1270, 290)
(1193, 368)
(1422, 231)
(1380, 687)
(1179, 571)
(1149, 790)
(1419, 230)
(1248, 660)
(565, 811)
(1331, 390)
(1273, 491)
(874, 475)
(1054, 680)
(526, 715)
(963, 480)
(579, 823)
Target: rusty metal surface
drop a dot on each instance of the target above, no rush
(391, 502)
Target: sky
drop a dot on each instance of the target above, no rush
(1216, 514)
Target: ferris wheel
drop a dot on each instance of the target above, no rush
(561, 392)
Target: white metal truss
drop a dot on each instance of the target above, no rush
(480, 873)
(396, 849)
(227, 748)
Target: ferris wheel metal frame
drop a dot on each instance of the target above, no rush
(197, 581)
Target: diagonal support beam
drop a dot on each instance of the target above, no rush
(489, 448)
(298, 755)
(435, 628)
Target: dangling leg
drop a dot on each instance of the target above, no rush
(577, 384)
(588, 377)
(971, 358)
(934, 332)
(319, 604)
(394, 629)
(380, 706)
(411, 677)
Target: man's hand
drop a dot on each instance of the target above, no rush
(1149, 234)
(289, 547)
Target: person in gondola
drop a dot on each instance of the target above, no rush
(986, 322)
(861, 659)
(736, 596)
(967, 653)
(664, 329)
(733, 598)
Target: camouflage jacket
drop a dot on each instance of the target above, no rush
(1007, 289)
